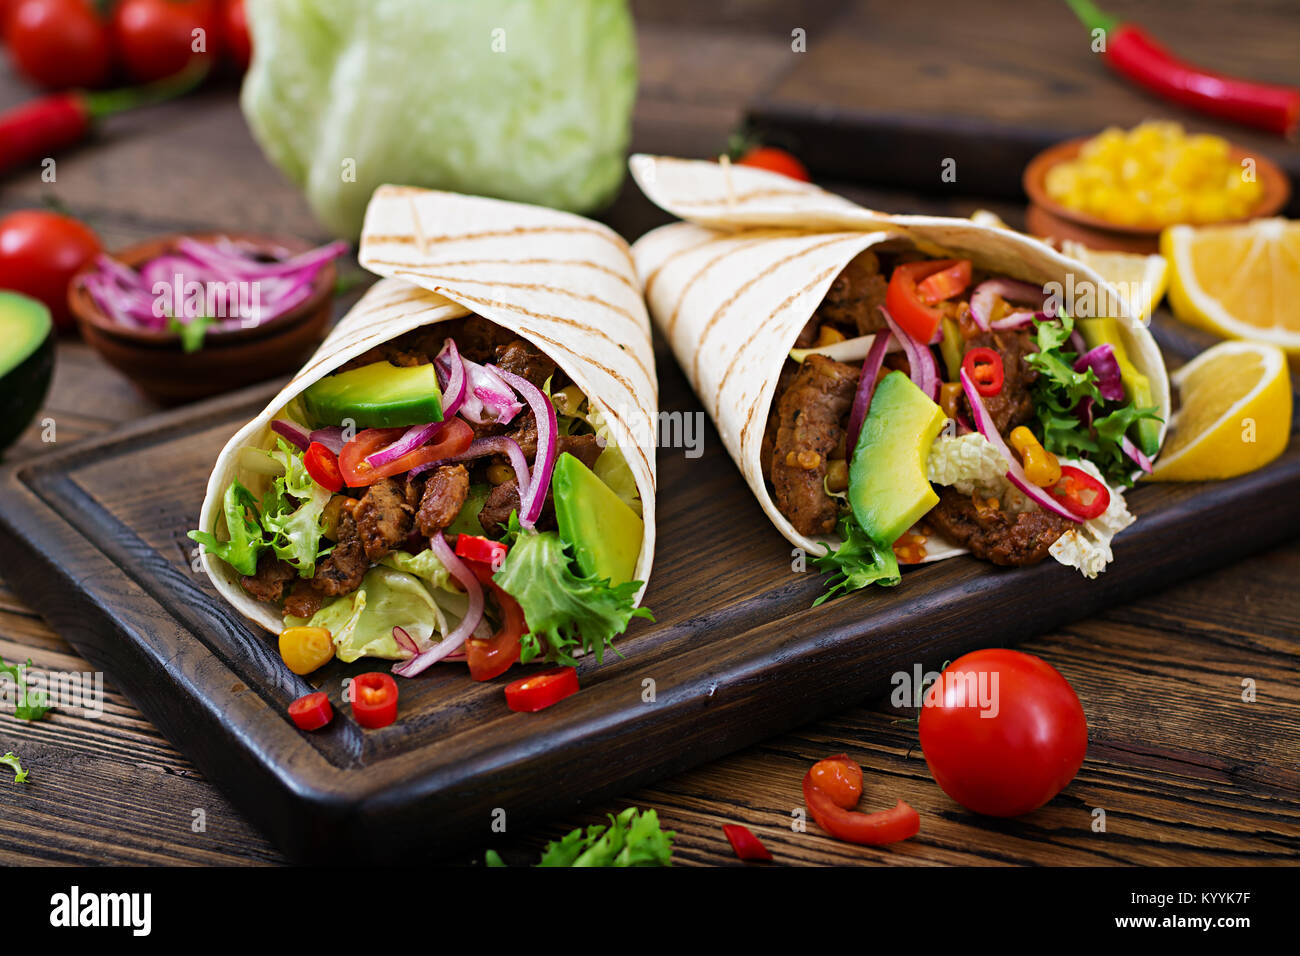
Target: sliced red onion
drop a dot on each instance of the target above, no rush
(866, 388)
(453, 379)
(453, 641)
(1015, 472)
(243, 266)
(531, 501)
(496, 445)
(331, 437)
(1077, 343)
(1017, 321)
(404, 640)
(1132, 450)
(920, 360)
(1105, 366)
(414, 437)
(292, 431)
(1011, 290)
(488, 399)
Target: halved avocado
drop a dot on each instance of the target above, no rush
(26, 362)
(378, 395)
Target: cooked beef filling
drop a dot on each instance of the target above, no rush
(269, 581)
(1014, 404)
(346, 564)
(383, 517)
(1014, 539)
(444, 495)
(504, 498)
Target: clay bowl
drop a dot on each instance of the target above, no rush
(229, 358)
(1046, 217)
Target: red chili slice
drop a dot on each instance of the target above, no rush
(374, 700)
(540, 691)
(1081, 493)
(869, 829)
(485, 550)
(984, 366)
(323, 466)
(311, 712)
(745, 844)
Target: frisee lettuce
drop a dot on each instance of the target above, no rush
(565, 612)
(633, 838)
(244, 525)
(1058, 395)
(859, 561)
(10, 761)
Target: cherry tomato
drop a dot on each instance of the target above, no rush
(234, 30)
(323, 467)
(945, 283)
(904, 303)
(744, 843)
(1081, 493)
(374, 699)
(311, 712)
(158, 38)
(39, 252)
(775, 161)
(868, 829)
(984, 366)
(452, 439)
(59, 43)
(1014, 747)
(539, 691)
(840, 779)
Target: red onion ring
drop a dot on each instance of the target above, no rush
(1011, 290)
(456, 567)
(479, 447)
(453, 389)
(866, 388)
(532, 501)
(413, 438)
(294, 432)
(920, 360)
(1132, 450)
(331, 437)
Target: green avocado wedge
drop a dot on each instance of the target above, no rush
(604, 532)
(378, 395)
(1136, 385)
(26, 362)
(888, 489)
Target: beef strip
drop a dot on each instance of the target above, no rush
(811, 413)
(504, 498)
(383, 518)
(345, 566)
(444, 495)
(855, 297)
(585, 448)
(269, 581)
(526, 361)
(1013, 539)
(1014, 404)
(304, 600)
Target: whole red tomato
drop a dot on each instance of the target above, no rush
(58, 43)
(1003, 732)
(775, 160)
(39, 252)
(157, 38)
(234, 29)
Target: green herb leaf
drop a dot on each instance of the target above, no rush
(633, 838)
(9, 760)
(858, 562)
(30, 706)
(191, 332)
(564, 611)
(244, 524)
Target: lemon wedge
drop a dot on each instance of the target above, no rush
(1241, 281)
(1235, 414)
(1140, 279)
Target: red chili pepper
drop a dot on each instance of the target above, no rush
(1132, 52)
(1081, 493)
(311, 712)
(869, 829)
(323, 466)
(485, 550)
(36, 129)
(540, 691)
(374, 700)
(745, 844)
(984, 366)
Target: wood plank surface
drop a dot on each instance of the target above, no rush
(1186, 771)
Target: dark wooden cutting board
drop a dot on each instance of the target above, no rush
(94, 537)
(886, 92)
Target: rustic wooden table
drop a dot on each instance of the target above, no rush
(1186, 770)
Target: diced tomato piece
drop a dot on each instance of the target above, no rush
(452, 439)
(845, 823)
(904, 302)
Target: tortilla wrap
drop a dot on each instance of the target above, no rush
(562, 282)
(731, 287)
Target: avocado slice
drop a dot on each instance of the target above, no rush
(888, 489)
(605, 533)
(1106, 332)
(379, 395)
(26, 362)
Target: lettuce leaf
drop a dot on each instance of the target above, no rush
(633, 838)
(564, 612)
(243, 523)
(292, 509)
(859, 561)
(11, 761)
